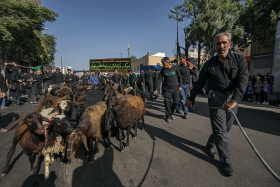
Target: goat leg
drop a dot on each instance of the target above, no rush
(109, 143)
(120, 139)
(127, 136)
(31, 161)
(135, 131)
(96, 149)
(143, 123)
(89, 141)
(9, 156)
(36, 167)
(47, 166)
(91, 153)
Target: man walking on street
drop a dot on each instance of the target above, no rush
(227, 75)
(172, 87)
(149, 82)
(116, 78)
(186, 71)
(69, 77)
(58, 79)
(47, 77)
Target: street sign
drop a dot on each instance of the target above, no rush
(109, 65)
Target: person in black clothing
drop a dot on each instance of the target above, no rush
(31, 86)
(47, 77)
(69, 77)
(125, 79)
(149, 82)
(3, 88)
(102, 79)
(75, 79)
(155, 79)
(57, 79)
(116, 78)
(108, 79)
(14, 82)
(194, 79)
(85, 79)
(132, 79)
(172, 86)
(227, 76)
(39, 83)
(186, 70)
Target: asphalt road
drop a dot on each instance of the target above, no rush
(166, 154)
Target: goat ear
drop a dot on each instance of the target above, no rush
(54, 110)
(84, 138)
(46, 119)
(17, 125)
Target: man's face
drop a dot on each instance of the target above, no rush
(116, 72)
(74, 73)
(69, 71)
(222, 46)
(47, 71)
(57, 71)
(182, 60)
(165, 64)
(30, 71)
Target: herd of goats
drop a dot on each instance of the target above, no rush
(69, 116)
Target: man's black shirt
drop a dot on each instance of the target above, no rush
(232, 75)
(57, 78)
(185, 73)
(68, 77)
(149, 76)
(116, 79)
(47, 77)
(172, 77)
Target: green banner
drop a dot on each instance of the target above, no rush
(107, 65)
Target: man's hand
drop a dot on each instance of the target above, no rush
(63, 83)
(19, 80)
(155, 92)
(180, 89)
(191, 87)
(3, 95)
(188, 103)
(227, 107)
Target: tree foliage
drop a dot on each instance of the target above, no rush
(210, 17)
(259, 20)
(21, 24)
(133, 58)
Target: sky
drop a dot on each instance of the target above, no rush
(97, 29)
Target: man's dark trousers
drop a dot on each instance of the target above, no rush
(168, 94)
(221, 122)
(149, 88)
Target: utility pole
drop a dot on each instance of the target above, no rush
(178, 47)
(128, 49)
(61, 64)
(186, 44)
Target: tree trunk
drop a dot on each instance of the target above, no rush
(198, 58)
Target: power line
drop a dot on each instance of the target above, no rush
(172, 43)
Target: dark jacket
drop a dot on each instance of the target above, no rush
(47, 77)
(185, 73)
(2, 84)
(57, 78)
(116, 79)
(149, 76)
(15, 76)
(68, 77)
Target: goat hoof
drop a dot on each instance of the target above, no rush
(108, 147)
(3, 174)
(63, 163)
(134, 137)
(143, 129)
(46, 178)
(69, 163)
(90, 161)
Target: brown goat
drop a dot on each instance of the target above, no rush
(91, 125)
(30, 135)
(125, 115)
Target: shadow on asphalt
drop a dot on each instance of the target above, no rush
(181, 143)
(8, 119)
(41, 180)
(255, 119)
(14, 161)
(98, 173)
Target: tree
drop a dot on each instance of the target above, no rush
(20, 26)
(208, 18)
(133, 58)
(49, 43)
(259, 21)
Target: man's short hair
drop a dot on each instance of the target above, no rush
(148, 68)
(183, 56)
(165, 59)
(222, 34)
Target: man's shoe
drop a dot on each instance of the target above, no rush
(173, 117)
(168, 120)
(228, 170)
(185, 115)
(179, 111)
(212, 151)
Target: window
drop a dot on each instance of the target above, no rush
(137, 67)
(146, 63)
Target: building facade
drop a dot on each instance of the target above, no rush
(148, 60)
